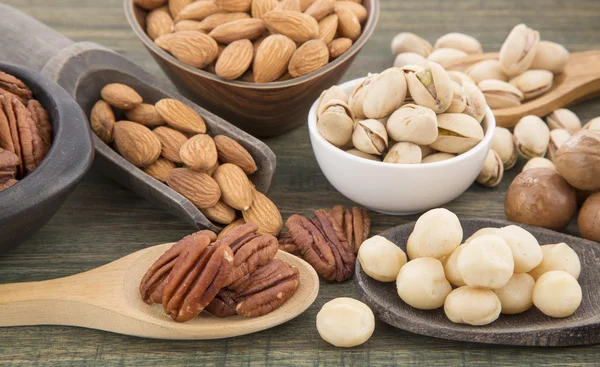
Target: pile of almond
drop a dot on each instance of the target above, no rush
(168, 141)
(258, 41)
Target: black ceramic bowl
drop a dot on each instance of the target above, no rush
(28, 205)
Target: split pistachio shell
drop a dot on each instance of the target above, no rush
(486, 69)
(370, 137)
(357, 97)
(413, 123)
(457, 133)
(364, 155)
(426, 150)
(476, 103)
(557, 138)
(550, 56)
(499, 94)
(334, 92)
(533, 83)
(539, 162)
(404, 153)
(459, 41)
(564, 119)
(460, 77)
(446, 55)
(531, 136)
(518, 50)
(412, 68)
(492, 171)
(504, 145)
(431, 87)
(437, 157)
(410, 42)
(409, 58)
(336, 122)
(459, 100)
(593, 124)
(384, 94)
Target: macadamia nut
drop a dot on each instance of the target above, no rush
(381, 259)
(451, 268)
(436, 234)
(526, 250)
(517, 295)
(345, 322)
(473, 306)
(481, 232)
(558, 257)
(557, 294)
(486, 262)
(422, 283)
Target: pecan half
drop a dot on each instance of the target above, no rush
(224, 304)
(311, 243)
(15, 86)
(5, 135)
(361, 224)
(31, 143)
(8, 165)
(40, 116)
(6, 102)
(251, 253)
(6, 184)
(287, 244)
(343, 255)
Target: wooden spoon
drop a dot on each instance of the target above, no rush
(579, 82)
(529, 328)
(108, 298)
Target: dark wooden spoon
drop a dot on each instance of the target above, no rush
(529, 328)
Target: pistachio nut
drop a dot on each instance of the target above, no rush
(410, 42)
(457, 133)
(412, 68)
(413, 123)
(531, 137)
(492, 170)
(460, 77)
(437, 157)
(426, 150)
(336, 122)
(384, 94)
(364, 155)
(593, 124)
(518, 50)
(539, 162)
(564, 119)
(444, 56)
(409, 58)
(403, 153)
(504, 145)
(486, 69)
(431, 87)
(357, 97)
(557, 138)
(459, 100)
(476, 103)
(533, 83)
(370, 137)
(334, 92)
(550, 56)
(459, 41)
(499, 94)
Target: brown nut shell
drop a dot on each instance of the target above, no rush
(588, 220)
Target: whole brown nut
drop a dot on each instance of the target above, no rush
(589, 218)
(578, 160)
(540, 197)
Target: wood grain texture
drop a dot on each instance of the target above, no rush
(103, 221)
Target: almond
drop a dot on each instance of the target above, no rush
(304, 4)
(188, 25)
(160, 169)
(170, 141)
(145, 114)
(215, 20)
(248, 77)
(220, 213)
(284, 77)
(212, 170)
(328, 28)
(235, 59)
(163, 41)
(158, 23)
(357, 8)
(348, 24)
(272, 58)
(180, 116)
(262, 7)
(199, 152)
(264, 214)
(291, 5)
(338, 46)
(312, 55)
(234, 5)
(198, 11)
(150, 4)
(136, 143)
(193, 48)
(256, 45)
(120, 96)
(199, 188)
(233, 225)
(238, 29)
(320, 9)
(175, 6)
(235, 187)
(102, 121)
(299, 27)
(230, 151)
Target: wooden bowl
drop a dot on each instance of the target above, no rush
(260, 109)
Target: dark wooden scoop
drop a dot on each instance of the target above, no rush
(82, 69)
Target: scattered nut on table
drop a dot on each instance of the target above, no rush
(345, 322)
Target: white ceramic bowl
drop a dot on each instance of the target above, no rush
(398, 189)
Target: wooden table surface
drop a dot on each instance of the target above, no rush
(102, 221)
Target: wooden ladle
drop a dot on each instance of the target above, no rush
(579, 82)
(107, 298)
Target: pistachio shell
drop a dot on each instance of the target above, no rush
(531, 137)
(486, 69)
(410, 42)
(413, 123)
(334, 92)
(426, 150)
(431, 87)
(557, 138)
(550, 56)
(384, 94)
(404, 153)
(518, 50)
(564, 119)
(357, 97)
(459, 41)
(457, 133)
(460, 77)
(499, 94)
(336, 122)
(358, 153)
(533, 83)
(504, 145)
(539, 162)
(446, 55)
(409, 58)
(492, 171)
(593, 124)
(476, 103)
(437, 157)
(370, 137)
(459, 100)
